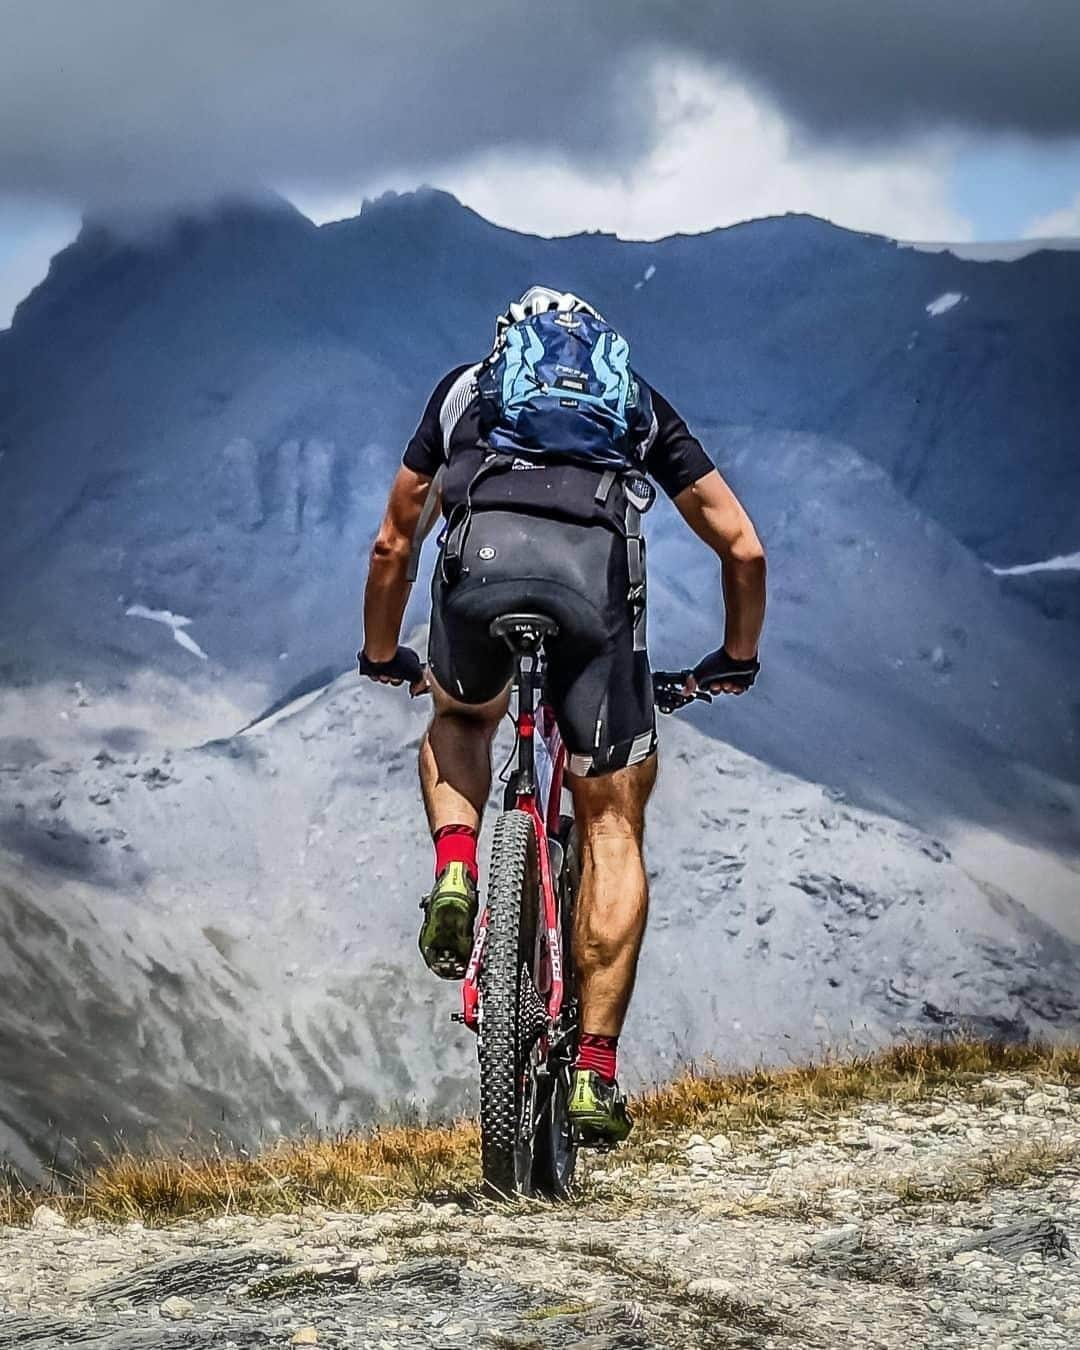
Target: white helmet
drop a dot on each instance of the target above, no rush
(539, 300)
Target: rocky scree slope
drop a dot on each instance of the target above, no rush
(225, 935)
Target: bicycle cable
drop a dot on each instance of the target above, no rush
(504, 773)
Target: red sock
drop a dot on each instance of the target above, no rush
(456, 843)
(597, 1053)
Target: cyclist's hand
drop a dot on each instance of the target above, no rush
(403, 668)
(719, 673)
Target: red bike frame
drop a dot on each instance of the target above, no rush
(545, 815)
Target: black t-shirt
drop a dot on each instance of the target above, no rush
(451, 422)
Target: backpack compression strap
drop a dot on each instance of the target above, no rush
(423, 523)
(635, 556)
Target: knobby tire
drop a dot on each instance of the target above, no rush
(555, 1158)
(513, 903)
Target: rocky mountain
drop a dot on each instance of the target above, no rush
(198, 421)
(224, 936)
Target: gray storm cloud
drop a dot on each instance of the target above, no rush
(128, 100)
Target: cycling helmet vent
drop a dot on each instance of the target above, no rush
(539, 300)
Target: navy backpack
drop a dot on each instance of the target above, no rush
(561, 385)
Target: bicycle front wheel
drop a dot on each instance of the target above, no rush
(512, 1014)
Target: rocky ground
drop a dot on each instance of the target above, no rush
(943, 1222)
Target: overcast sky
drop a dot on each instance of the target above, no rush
(917, 118)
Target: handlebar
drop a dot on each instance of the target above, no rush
(668, 687)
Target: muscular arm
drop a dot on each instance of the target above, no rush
(387, 589)
(717, 516)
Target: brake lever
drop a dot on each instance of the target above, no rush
(668, 687)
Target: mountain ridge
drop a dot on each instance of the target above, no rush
(217, 446)
(196, 438)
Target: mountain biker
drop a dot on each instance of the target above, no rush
(528, 531)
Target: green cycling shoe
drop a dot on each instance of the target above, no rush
(446, 935)
(597, 1110)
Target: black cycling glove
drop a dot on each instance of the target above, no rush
(403, 665)
(719, 665)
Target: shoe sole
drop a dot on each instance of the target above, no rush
(593, 1132)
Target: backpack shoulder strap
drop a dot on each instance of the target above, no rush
(423, 522)
(458, 397)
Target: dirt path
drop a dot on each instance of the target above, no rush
(942, 1223)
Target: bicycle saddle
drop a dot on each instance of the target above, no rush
(523, 630)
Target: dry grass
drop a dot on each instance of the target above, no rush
(354, 1171)
(966, 1180)
(971, 1181)
(386, 1166)
(901, 1074)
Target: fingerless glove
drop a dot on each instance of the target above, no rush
(403, 665)
(719, 665)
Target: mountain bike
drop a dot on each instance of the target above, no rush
(518, 994)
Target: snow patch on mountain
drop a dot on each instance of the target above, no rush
(176, 622)
(942, 305)
(1064, 562)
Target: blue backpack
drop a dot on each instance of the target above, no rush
(561, 385)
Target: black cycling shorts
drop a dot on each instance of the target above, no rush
(599, 687)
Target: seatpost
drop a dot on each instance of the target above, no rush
(524, 633)
(523, 780)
